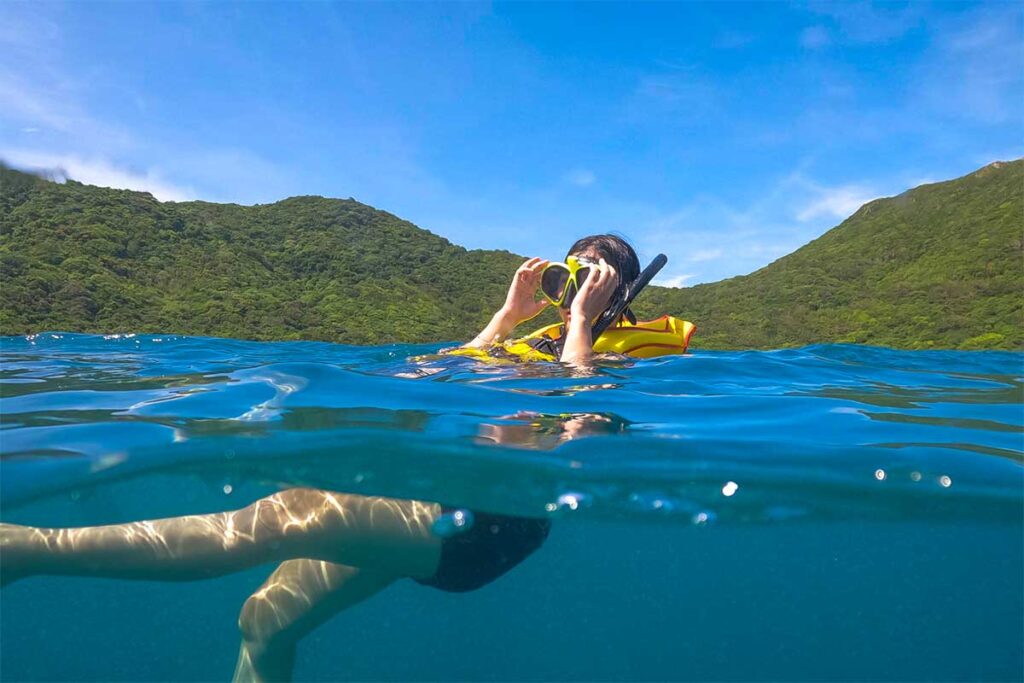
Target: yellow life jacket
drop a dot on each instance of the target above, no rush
(647, 339)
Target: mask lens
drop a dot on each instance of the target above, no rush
(552, 282)
(570, 294)
(581, 275)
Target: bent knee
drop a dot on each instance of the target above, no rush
(258, 621)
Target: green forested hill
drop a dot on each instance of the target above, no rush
(938, 266)
(90, 259)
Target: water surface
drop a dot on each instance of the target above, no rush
(831, 512)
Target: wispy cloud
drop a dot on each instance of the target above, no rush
(722, 238)
(835, 202)
(23, 103)
(675, 281)
(705, 255)
(866, 22)
(581, 177)
(98, 172)
(815, 37)
(975, 71)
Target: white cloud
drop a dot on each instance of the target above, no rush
(98, 172)
(675, 281)
(581, 177)
(835, 202)
(814, 37)
(705, 255)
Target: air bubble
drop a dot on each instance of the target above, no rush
(452, 523)
(880, 474)
(730, 488)
(704, 517)
(945, 481)
(572, 501)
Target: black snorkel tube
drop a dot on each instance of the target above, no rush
(609, 317)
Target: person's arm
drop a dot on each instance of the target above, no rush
(519, 305)
(591, 301)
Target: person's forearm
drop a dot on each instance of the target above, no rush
(502, 323)
(579, 343)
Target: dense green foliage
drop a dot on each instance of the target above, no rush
(81, 258)
(938, 266)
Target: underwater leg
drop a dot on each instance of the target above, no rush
(384, 533)
(299, 596)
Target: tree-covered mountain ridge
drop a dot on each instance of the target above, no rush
(939, 266)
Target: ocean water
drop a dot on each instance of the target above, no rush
(825, 513)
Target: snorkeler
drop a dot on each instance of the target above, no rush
(335, 549)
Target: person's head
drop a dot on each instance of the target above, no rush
(616, 252)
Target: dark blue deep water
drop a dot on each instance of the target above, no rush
(826, 513)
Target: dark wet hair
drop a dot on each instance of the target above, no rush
(619, 255)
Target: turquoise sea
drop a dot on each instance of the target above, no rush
(825, 513)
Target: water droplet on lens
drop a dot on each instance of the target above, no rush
(915, 476)
(228, 488)
(945, 481)
(572, 501)
(452, 523)
(663, 505)
(704, 517)
(880, 474)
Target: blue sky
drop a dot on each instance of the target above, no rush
(725, 135)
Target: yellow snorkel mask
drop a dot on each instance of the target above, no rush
(561, 282)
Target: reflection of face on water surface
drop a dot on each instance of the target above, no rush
(536, 431)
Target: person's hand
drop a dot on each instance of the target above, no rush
(520, 304)
(596, 293)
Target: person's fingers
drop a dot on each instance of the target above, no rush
(537, 268)
(588, 284)
(602, 274)
(529, 263)
(611, 275)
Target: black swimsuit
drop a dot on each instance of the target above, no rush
(492, 546)
(495, 543)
